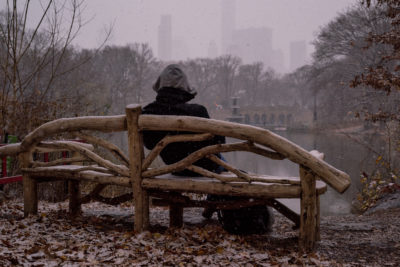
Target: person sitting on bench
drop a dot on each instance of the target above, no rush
(173, 93)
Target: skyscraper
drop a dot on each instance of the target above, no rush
(228, 24)
(253, 45)
(298, 54)
(165, 38)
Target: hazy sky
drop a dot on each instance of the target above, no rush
(197, 22)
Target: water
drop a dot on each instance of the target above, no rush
(342, 152)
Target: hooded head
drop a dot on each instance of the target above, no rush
(173, 77)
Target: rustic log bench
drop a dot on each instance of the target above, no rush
(158, 183)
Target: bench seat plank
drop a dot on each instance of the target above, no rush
(281, 187)
(213, 186)
(71, 172)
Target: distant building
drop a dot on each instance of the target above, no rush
(165, 38)
(228, 24)
(253, 45)
(298, 53)
(250, 44)
(212, 50)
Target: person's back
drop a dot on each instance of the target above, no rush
(173, 93)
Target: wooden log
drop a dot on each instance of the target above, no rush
(94, 123)
(175, 212)
(74, 197)
(226, 177)
(339, 180)
(230, 168)
(285, 211)
(207, 173)
(77, 147)
(58, 162)
(29, 186)
(197, 185)
(56, 146)
(116, 151)
(136, 155)
(74, 193)
(63, 173)
(175, 215)
(67, 169)
(318, 220)
(195, 156)
(259, 180)
(172, 139)
(10, 150)
(263, 152)
(308, 210)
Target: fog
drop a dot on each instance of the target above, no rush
(197, 23)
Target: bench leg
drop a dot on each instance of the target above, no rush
(309, 214)
(136, 155)
(30, 195)
(29, 186)
(74, 196)
(146, 211)
(175, 215)
(318, 230)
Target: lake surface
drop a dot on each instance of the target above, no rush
(349, 154)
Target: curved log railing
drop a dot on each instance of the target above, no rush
(90, 123)
(135, 172)
(339, 180)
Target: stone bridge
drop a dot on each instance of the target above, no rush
(273, 117)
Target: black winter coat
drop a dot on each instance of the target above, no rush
(172, 101)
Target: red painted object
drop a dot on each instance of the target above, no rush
(12, 179)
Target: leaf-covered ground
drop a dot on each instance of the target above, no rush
(104, 236)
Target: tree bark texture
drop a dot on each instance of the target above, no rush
(29, 186)
(309, 212)
(74, 192)
(136, 156)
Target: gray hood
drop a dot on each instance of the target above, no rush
(172, 76)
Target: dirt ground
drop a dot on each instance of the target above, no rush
(104, 236)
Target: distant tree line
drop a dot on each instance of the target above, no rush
(345, 78)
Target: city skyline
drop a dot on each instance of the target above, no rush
(196, 24)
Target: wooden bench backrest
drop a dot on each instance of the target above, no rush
(337, 179)
(134, 122)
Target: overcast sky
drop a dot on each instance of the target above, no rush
(197, 22)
